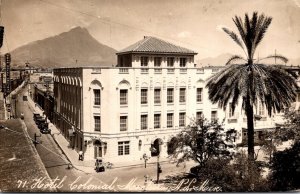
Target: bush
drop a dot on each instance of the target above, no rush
(285, 169)
(230, 177)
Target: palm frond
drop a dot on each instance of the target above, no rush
(280, 57)
(235, 58)
(272, 86)
(234, 37)
(266, 21)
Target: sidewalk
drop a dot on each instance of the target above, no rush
(87, 166)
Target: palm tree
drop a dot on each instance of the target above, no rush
(249, 79)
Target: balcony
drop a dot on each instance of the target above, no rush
(123, 71)
(157, 70)
(183, 71)
(200, 71)
(215, 70)
(232, 120)
(171, 71)
(144, 71)
(96, 71)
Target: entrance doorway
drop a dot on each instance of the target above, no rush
(156, 147)
(172, 144)
(97, 149)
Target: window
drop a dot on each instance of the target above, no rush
(214, 116)
(170, 62)
(144, 61)
(231, 113)
(123, 123)
(170, 120)
(198, 116)
(182, 62)
(123, 97)
(170, 95)
(156, 121)
(157, 61)
(182, 119)
(261, 110)
(144, 96)
(157, 96)
(123, 148)
(97, 120)
(144, 122)
(182, 95)
(97, 97)
(199, 94)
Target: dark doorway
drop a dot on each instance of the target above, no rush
(172, 144)
(156, 147)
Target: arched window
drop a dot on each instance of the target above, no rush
(96, 87)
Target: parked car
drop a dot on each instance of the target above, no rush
(45, 130)
(35, 115)
(99, 165)
(40, 122)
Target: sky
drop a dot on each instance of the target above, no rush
(194, 24)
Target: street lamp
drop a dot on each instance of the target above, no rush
(146, 158)
(158, 169)
(158, 165)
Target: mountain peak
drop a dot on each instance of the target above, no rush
(73, 48)
(78, 29)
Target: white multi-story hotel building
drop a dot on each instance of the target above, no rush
(120, 112)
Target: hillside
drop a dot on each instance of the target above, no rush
(69, 49)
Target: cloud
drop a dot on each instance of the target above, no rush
(184, 34)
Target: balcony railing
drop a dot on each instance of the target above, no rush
(232, 120)
(183, 71)
(215, 70)
(157, 70)
(200, 70)
(145, 71)
(96, 70)
(171, 71)
(123, 71)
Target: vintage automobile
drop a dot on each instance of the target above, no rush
(99, 165)
(45, 130)
(36, 115)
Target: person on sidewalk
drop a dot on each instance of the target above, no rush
(80, 155)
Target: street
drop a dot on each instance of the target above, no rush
(55, 162)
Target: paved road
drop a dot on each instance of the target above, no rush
(56, 163)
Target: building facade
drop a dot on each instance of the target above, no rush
(138, 106)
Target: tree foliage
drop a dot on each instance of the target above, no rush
(285, 169)
(202, 141)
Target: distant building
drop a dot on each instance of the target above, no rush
(137, 107)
